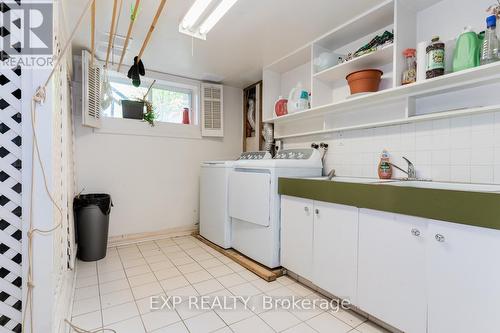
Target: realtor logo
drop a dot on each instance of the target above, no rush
(26, 33)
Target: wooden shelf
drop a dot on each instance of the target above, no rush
(473, 77)
(375, 59)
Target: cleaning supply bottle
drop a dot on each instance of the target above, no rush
(298, 99)
(489, 50)
(385, 166)
(467, 51)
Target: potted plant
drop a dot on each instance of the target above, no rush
(134, 109)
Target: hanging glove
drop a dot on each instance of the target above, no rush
(135, 72)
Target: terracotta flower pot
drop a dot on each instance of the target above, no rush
(367, 80)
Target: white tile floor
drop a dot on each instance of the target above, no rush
(115, 293)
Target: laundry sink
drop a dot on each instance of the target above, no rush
(447, 186)
(358, 180)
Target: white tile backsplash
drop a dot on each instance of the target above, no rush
(460, 149)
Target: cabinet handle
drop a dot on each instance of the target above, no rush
(306, 209)
(440, 238)
(415, 232)
(317, 211)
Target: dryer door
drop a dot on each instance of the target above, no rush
(250, 195)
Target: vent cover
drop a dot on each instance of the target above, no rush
(91, 92)
(212, 110)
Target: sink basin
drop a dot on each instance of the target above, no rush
(447, 186)
(358, 180)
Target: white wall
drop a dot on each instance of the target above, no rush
(153, 181)
(447, 18)
(461, 149)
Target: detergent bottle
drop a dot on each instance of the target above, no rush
(298, 100)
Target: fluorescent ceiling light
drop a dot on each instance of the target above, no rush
(201, 9)
(194, 13)
(216, 15)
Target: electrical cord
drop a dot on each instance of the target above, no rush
(80, 330)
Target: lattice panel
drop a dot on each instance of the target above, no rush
(10, 190)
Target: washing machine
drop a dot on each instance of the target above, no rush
(215, 224)
(254, 202)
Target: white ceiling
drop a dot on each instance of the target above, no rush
(252, 34)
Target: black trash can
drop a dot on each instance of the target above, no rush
(92, 224)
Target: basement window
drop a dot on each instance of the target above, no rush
(169, 99)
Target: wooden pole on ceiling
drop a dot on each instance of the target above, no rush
(92, 32)
(151, 29)
(111, 31)
(129, 32)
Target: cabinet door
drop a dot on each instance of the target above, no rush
(335, 249)
(297, 235)
(391, 276)
(464, 278)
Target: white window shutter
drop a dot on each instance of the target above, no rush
(212, 113)
(91, 91)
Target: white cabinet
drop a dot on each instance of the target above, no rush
(391, 269)
(297, 235)
(463, 270)
(415, 274)
(335, 249)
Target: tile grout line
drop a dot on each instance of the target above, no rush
(196, 261)
(99, 294)
(176, 267)
(192, 286)
(227, 325)
(131, 291)
(225, 288)
(184, 251)
(159, 283)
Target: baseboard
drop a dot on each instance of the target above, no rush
(149, 236)
(352, 307)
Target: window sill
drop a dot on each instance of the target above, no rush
(120, 126)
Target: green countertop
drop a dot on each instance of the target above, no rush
(480, 209)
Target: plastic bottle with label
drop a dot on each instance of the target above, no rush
(385, 166)
(435, 58)
(489, 50)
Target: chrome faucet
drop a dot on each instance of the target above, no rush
(331, 174)
(411, 173)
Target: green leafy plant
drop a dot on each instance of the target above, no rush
(150, 115)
